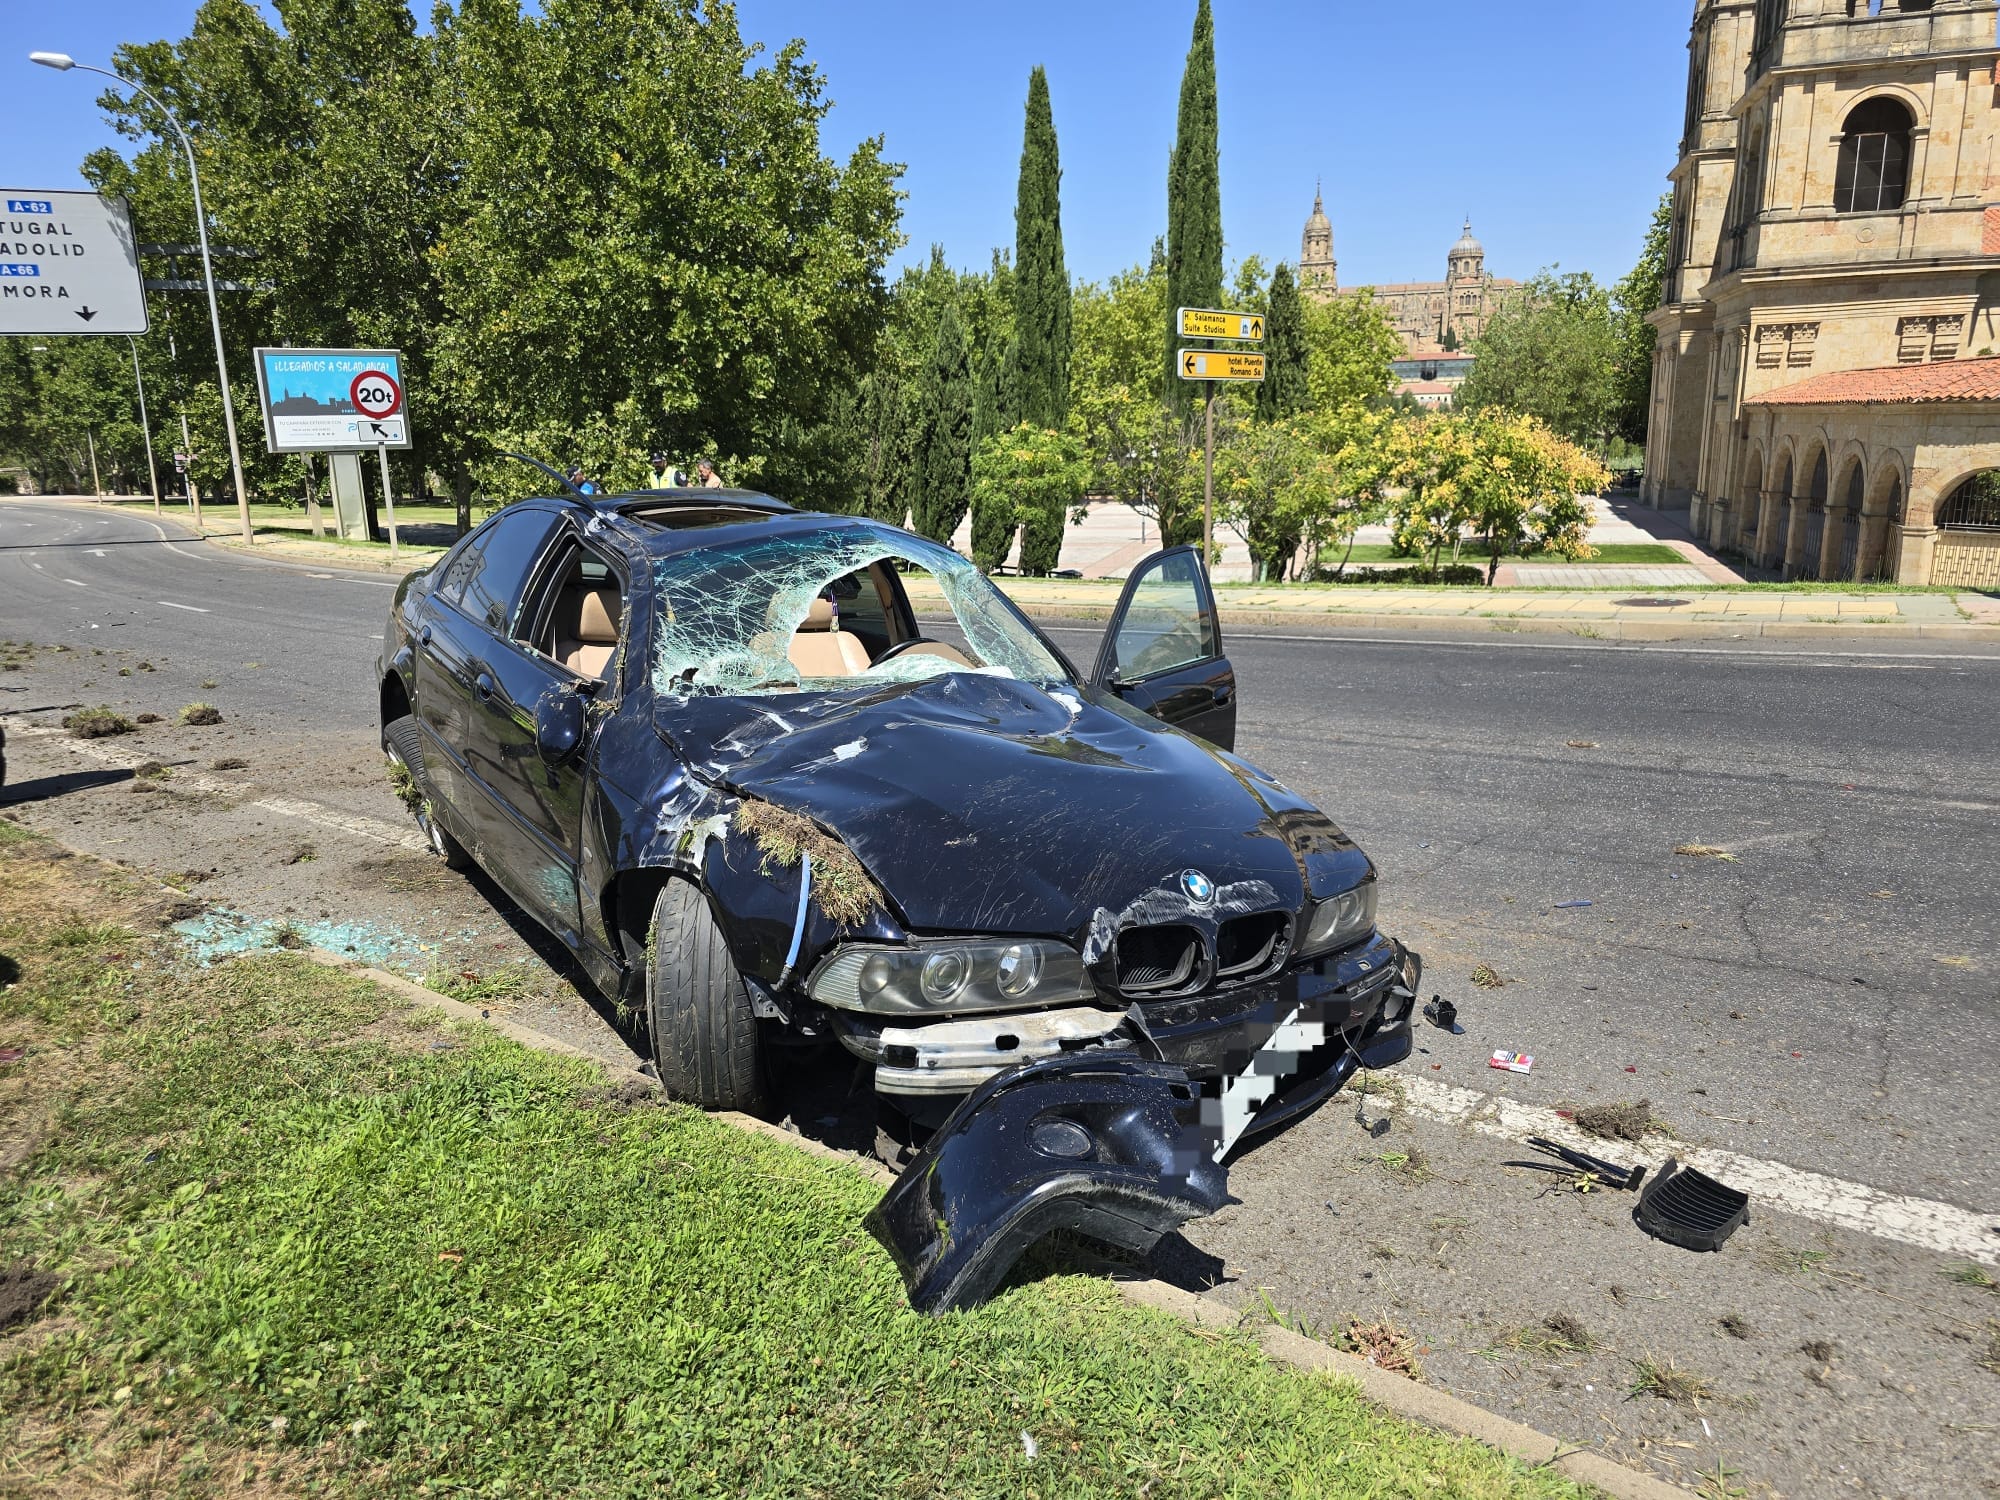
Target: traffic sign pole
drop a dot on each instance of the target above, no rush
(1208, 481)
(388, 498)
(145, 426)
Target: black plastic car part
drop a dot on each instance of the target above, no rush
(1107, 1144)
(1612, 1174)
(1691, 1209)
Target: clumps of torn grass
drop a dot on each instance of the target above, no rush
(96, 723)
(404, 784)
(200, 714)
(1384, 1346)
(1975, 1276)
(1706, 851)
(1989, 1357)
(1736, 1326)
(1619, 1122)
(151, 770)
(229, 763)
(508, 985)
(1794, 1262)
(290, 936)
(1487, 977)
(1558, 1333)
(841, 886)
(1667, 1381)
(1409, 1166)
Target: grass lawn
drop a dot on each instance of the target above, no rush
(301, 1240)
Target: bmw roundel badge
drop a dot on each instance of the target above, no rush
(1199, 888)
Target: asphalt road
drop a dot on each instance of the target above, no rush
(1826, 999)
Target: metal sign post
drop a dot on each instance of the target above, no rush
(1212, 367)
(145, 426)
(388, 498)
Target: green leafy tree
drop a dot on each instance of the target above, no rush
(1042, 313)
(1349, 344)
(1638, 294)
(1027, 477)
(1287, 386)
(1194, 195)
(1147, 455)
(1550, 352)
(993, 402)
(943, 433)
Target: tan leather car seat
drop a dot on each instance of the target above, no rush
(586, 628)
(820, 648)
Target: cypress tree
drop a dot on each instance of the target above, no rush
(1284, 389)
(943, 468)
(1194, 195)
(1041, 280)
(993, 406)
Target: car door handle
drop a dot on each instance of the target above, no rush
(424, 636)
(483, 684)
(1223, 695)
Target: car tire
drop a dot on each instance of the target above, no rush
(404, 747)
(706, 1045)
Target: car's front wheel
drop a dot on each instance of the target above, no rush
(705, 1039)
(405, 749)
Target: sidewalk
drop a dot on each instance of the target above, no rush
(1708, 612)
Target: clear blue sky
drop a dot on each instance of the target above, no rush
(1553, 125)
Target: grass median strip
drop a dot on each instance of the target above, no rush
(301, 1239)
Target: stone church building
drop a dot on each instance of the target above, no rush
(1438, 320)
(1826, 385)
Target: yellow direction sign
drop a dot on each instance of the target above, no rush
(1220, 364)
(1208, 323)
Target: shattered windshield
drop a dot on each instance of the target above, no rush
(766, 616)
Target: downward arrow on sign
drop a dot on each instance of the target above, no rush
(85, 313)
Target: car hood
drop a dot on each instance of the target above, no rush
(984, 804)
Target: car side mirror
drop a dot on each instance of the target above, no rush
(559, 722)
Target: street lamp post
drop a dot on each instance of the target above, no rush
(62, 62)
(145, 426)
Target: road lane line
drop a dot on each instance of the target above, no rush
(197, 609)
(1921, 1222)
(376, 830)
(78, 582)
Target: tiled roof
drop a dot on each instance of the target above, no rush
(1946, 380)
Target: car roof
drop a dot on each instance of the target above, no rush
(662, 523)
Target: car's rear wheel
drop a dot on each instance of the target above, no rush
(705, 1040)
(405, 748)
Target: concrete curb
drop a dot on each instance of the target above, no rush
(1394, 1394)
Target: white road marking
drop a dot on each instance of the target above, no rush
(1928, 1225)
(78, 582)
(97, 552)
(34, 565)
(376, 830)
(197, 609)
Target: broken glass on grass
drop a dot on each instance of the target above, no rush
(727, 614)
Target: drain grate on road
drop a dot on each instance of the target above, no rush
(1651, 603)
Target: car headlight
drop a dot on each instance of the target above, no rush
(942, 976)
(1340, 921)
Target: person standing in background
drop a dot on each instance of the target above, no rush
(706, 476)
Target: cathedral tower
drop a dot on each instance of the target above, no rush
(1318, 271)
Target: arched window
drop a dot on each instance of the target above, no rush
(1874, 170)
(1855, 488)
(1816, 491)
(1974, 505)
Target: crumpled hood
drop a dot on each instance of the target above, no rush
(984, 804)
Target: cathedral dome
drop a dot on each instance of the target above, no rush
(1318, 222)
(1467, 245)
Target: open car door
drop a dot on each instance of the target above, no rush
(1162, 651)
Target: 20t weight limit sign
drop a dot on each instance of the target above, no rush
(375, 394)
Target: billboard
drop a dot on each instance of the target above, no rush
(332, 400)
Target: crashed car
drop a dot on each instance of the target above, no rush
(709, 743)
